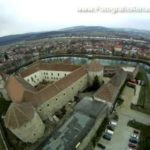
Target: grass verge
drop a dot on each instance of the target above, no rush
(2, 147)
(143, 103)
(99, 131)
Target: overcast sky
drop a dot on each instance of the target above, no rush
(21, 16)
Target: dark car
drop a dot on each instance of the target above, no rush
(101, 146)
(132, 145)
(107, 136)
(111, 127)
(136, 132)
(133, 140)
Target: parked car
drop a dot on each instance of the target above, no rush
(101, 146)
(133, 140)
(129, 148)
(107, 136)
(134, 81)
(110, 132)
(136, 132)
(135, 136)
(113, 123)
(111, 127)
(130, 84)
(131, 145)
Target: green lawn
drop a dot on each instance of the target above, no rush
(2, 147)
(100, 131)
(144, 97)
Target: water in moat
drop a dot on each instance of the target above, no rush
(104, 62)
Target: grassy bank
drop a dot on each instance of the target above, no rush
(99, 131)
(143, 104)
(2, 147)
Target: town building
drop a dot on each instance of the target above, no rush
(108, 92)
(118, 48)
(48, 87)
(23, 120)
(132, 71)
(77, 132)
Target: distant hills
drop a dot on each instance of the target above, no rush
(79, 31)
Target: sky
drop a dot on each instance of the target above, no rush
(23, 16)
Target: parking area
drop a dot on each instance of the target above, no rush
(119, 139)
(122, 132)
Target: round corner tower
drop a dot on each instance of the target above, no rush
(24, 122)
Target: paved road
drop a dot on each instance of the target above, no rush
(124, 109)
(122, 132)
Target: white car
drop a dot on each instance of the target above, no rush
(136, 136)
(109, 131)
(128, 148)
(113, 123)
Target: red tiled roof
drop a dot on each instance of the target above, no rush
(18, 114)
(52, 90)
(94, 66)
(48, 66)
(109, 91)
(21, 91)
(37, 97)
(16, 86)
(118, 46)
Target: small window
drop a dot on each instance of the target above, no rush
(56, 99)
(65, 74)
(47, 105)
(64, 94)
(58, 74)
(52, 74)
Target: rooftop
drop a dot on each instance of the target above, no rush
(94, 66)
(74, 130)
(27, 93)
(110, 90)
(18, 114)
(91, 107)
(48, 66)
(21, 91)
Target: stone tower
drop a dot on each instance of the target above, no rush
(24, 122)
(94, 69)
